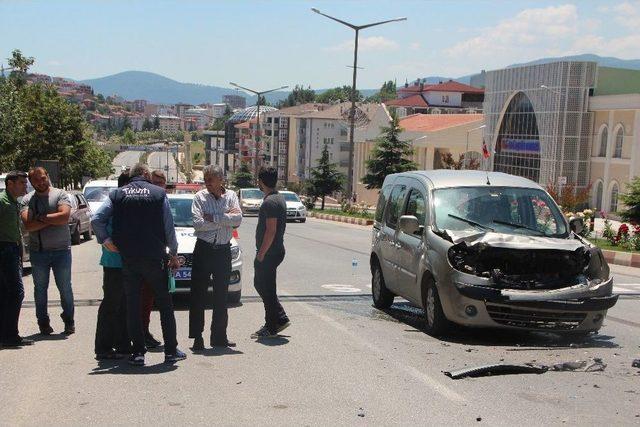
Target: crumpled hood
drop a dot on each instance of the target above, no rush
(512, 241)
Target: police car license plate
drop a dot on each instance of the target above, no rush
(183, 274)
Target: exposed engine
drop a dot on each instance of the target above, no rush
(527, 269)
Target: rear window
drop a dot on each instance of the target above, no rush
(396, 204)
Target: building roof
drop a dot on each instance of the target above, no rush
(449, 86)
(617, 81)
(340, 111)
(250, 113)
(410, 101)
(302, 109)
(436, 122)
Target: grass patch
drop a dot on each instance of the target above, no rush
(341, 213)
(606, 245)
(197, 152)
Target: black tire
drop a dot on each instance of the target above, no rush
(87, 234)
(303, 220)
(234, 297)
(75, 235)
(436, 323)
(382, 297)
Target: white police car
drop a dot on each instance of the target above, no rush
(182, 218)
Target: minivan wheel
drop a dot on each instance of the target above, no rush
(436, 322)
(382, 297)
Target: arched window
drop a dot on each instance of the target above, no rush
(603, 142)
(619, 142)
(598, 196)
(613, 206)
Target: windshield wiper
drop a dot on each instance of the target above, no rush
(516, 225)
(468, 221)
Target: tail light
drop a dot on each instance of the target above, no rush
(235, 234)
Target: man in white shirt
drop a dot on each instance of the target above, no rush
(216, 212)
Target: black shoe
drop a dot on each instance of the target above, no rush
(136, 359)
(108, 355)
(69, 328)
(226, 343)
(16, 342)
(150, 341)
(45, 328)
(283, 325)
(264, 332)
(198, 344)
(175, 356)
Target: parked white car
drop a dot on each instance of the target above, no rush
(183, 221)
(296, 211)
(96, 192)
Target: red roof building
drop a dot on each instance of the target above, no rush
(444, 97)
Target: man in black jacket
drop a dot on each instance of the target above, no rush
(142, 230)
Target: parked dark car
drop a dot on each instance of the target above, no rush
(80, 218)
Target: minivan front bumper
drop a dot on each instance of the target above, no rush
(574, 308)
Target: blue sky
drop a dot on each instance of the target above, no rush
(266, 44)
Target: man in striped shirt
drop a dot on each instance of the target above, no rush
(216, 211)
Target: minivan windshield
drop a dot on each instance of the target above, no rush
(251, 194)
(97, 194)
(509, 210)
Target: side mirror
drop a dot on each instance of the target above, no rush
(409, 224)
(576, 225)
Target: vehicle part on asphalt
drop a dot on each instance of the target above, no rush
(497, 369)
(594, 365)
(635, 363)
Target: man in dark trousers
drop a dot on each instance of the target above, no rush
(216, 211)
(272, 221)
(11, 287)
(142, 231)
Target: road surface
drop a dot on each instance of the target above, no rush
(125, 159)
(342, 362)
(158, 160)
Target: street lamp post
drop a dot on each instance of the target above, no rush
(352, 113)
(467, 149)
(259, 94)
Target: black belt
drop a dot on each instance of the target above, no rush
(214, 246)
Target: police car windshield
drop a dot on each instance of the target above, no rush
(97, 194)
(181, 211)
(290, 197)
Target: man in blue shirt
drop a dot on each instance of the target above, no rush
(143, 230)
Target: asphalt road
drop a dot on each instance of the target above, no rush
(342, 362)
(126, 159)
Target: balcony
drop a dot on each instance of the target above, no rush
(344, 147)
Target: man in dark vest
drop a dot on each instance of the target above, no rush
(142, 231)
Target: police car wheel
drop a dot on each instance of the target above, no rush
(234, 297)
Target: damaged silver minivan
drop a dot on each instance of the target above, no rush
(486, 250)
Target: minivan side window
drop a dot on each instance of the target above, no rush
(382, 202)
(396, 204)
(417, 206)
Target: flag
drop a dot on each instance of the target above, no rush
(485, 150)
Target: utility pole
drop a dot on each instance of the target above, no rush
(352, 113)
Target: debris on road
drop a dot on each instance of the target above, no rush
(595, 365)
(497, 369)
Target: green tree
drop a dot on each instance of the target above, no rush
(147, 125)
(218, 124)
(129, 137)
(338, 94)
(20, 65)
(38, 124)
(126, 124)
(156, 123)
(387, 92)
(325, 178)
(299, 95)
(243, 178)
(631, 199)
(100, 98)
(448, 162)
(389, 155)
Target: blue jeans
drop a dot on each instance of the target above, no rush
(41, 265)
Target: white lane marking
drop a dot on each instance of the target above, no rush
(342, 288)
(626, 288)
(429, 381)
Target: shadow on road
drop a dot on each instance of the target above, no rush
(413, 316)
(121, 367)
(52, 337)
(274, 342)
(216, 351)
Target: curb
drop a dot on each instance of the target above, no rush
(340, 218)
(626, 259)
